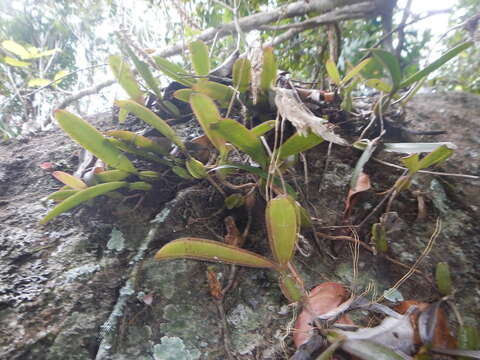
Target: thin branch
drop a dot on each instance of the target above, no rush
(332, 10)
(465, 176)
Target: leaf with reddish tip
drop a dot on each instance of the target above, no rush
(208, 250)
(282, 227)
(70, 180)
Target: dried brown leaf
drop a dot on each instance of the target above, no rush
(322, 299)
(302, 118)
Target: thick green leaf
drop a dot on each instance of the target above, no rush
(234, 201)
(207, 114)
(436, 64)
(379, 85)
(391, 63)
(162, 148)
(14, 62)
(411, 162)
(181, 172)
(239, 136)
(149, 175)
(332, 71)
(173, 71)
(412, 148)
(69, 180)
(368, 350)
(125, 77)
(263, 128)
(290, 288)
(468, 339)
(208, 250)
(242, 74)
(140, 185)
(61, 195)
(355, 71)
(92, 140)
(144, 70)
(222, 93)
(282, 227)
(437, 156)
(37, 82)
(151, 118)
(200, 58)
(121, 145)
(259, 172)
(298, 143)
(443, 280)
(111, 175)
(16, 48)
(196, 168)
(269, 69)
(183, 94)
(379, 237)
(81, 197)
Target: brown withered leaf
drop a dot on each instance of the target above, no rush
(256, 59)
(323, 299)
(441, 336)
(214, 284)
(233, 237)
(302, 118)
(363, 184)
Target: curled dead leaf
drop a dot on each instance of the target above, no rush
(431, 314)
(302, 118)
(362, 184)
(323, 299)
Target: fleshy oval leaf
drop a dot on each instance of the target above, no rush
(298, 143)
(92, 140)
(200, 58)
(239, 136)
(81, 197)
(142, 142)
(282, 226)
(332, 71)
(207, 114)
(208, 250)
(269, 70)
(222, 93)
(152, 119)
(242, 74)
(70, 180)
(125, 77)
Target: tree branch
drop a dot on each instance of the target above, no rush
(333, 10)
